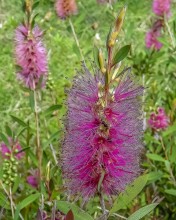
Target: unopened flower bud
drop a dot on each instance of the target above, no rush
(116, 30)
(48, 172)
(120, 19)
(9, 171)
(101, 61)
(12, 179)
(14, 168)
(4, 176)
(12, 159)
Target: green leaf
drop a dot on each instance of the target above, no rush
(9, 131)
(52, 108)
(121, 54)
(19, 121)
(4, 203)
(27, 201)
(142, 212)
(78, 213)
(169, 131)
(21, 131)
(95, 54)
(171, 192)
(130, 193)
(154, 176)
(16, 183)
(155, 157)
(36, 3)
(33, 157)
(52, 138)
(4, 138)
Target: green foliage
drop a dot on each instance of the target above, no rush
(130, 193)
(77, 212)
(139, 214)
(24, 203)
(121, 54)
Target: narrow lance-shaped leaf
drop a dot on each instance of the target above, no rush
(51, 109)
(78, 213)
(155, 157)
(27, 201)
(9, 131)
(121, 54)
(130, 193)
(139, 214)
(4, 138)
(95, 54)
(19, 121)
(171, 192)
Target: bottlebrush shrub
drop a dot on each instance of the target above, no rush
(103, 140)
(31, 56)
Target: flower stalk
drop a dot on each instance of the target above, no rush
(76, 39)
(38, 146)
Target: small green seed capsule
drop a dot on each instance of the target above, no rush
(9, 171)
(7, 182)
(12, 159)
(7, 163)
(12, 179)
(4, 176)
(14, 168)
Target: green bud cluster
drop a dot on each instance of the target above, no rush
(9, 170)
(50, 82)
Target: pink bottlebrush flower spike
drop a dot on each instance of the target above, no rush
(103, 141)
(13, 149)
(151, 39)
(159, 120)
(33, 179)
(30, 56)
(162, 7)
(65, 8)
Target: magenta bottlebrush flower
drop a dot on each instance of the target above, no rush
(159, 120)
(103, 140)
(161, 7)
(151, 39)
(13, 150)
(65, 8)
(4, 150)
(31, 56)
(33, 179)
